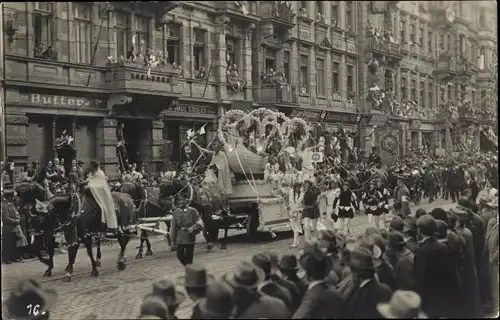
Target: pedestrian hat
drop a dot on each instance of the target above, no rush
(427, 223)
(313, 259)
(263, 261)
(361, 259)
(441, 229)
(380, 243)
(485, 199)
(403, 305)
(196, 276)
(28, 300)
(494, 203)
(460, 212)
(289, 263)
(218, 301)
(153, 307)
(166, 290)
(409, 224)
(469, 204)
(397, 223)
(396, 239)
(245, 275)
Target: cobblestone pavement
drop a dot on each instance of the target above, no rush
(118, 294)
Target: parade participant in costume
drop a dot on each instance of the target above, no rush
(332, 193)
(384, 201)
(99, 187)
(371, 199)
(185, 225)
(402, 195)
(295, 206)
(310, 214)
(347, 203)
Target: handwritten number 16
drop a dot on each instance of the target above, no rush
(33, 309)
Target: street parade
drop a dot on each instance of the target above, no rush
(260, 212)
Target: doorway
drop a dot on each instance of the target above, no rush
(132, 134)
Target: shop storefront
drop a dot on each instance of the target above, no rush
(35, 120)
(184, 116)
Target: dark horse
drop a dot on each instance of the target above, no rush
(79, 218)
(205, 199)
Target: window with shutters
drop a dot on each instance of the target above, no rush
(350, 79)
(232, 52)
(174, 44)
(42, 27)
(482, 58)
(270, 63)
(413, 32)
(349, 15)
(413, 90)
(441, 43)
(430, 47)
(402, 31)
(199, 48)
(83, 29)
(423, 101)
(319, 7)
(335, 12)
(473, 98)
(482, 18)
(336, 79)
(448, 43)
(404, 91)
(141, 34)
(430, 92)
(286, 66)
(303, 73)
(483, 99)
(303, 5)
(449, 92)
(122, 27)
(320, 77)
(421, 37)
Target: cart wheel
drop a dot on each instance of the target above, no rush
(252, 226)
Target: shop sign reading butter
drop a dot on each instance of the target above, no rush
(58, 101)
(193, 109)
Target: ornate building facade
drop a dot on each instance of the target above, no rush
(161, 68)
(428, 71)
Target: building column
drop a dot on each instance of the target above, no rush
(106, 139)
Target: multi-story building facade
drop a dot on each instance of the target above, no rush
(81, 67)
(433, 62)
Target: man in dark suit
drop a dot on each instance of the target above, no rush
(249, 302)
(321, 301)
(402, 196)
(365, 292)
(289, 286)
(269, 286)
(289, 266)
(10, 222)
(434, 271)
(455, 182)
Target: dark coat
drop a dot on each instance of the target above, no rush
(299, 283)
(10, 217)
(455, 179)
(412, 244)
(262, 306)
(276, 291)
(471, 302)
(385, 273)
(293, 290)
(435, 279)
(403, 270)
(361, 303)
(320, 302)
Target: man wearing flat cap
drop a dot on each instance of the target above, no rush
(434, 275)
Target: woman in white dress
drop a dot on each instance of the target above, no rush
(294, 208)
(331, 194)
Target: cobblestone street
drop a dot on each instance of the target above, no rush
(118, 294)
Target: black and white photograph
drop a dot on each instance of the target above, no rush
(249, 160)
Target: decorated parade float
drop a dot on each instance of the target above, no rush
(266, 153)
